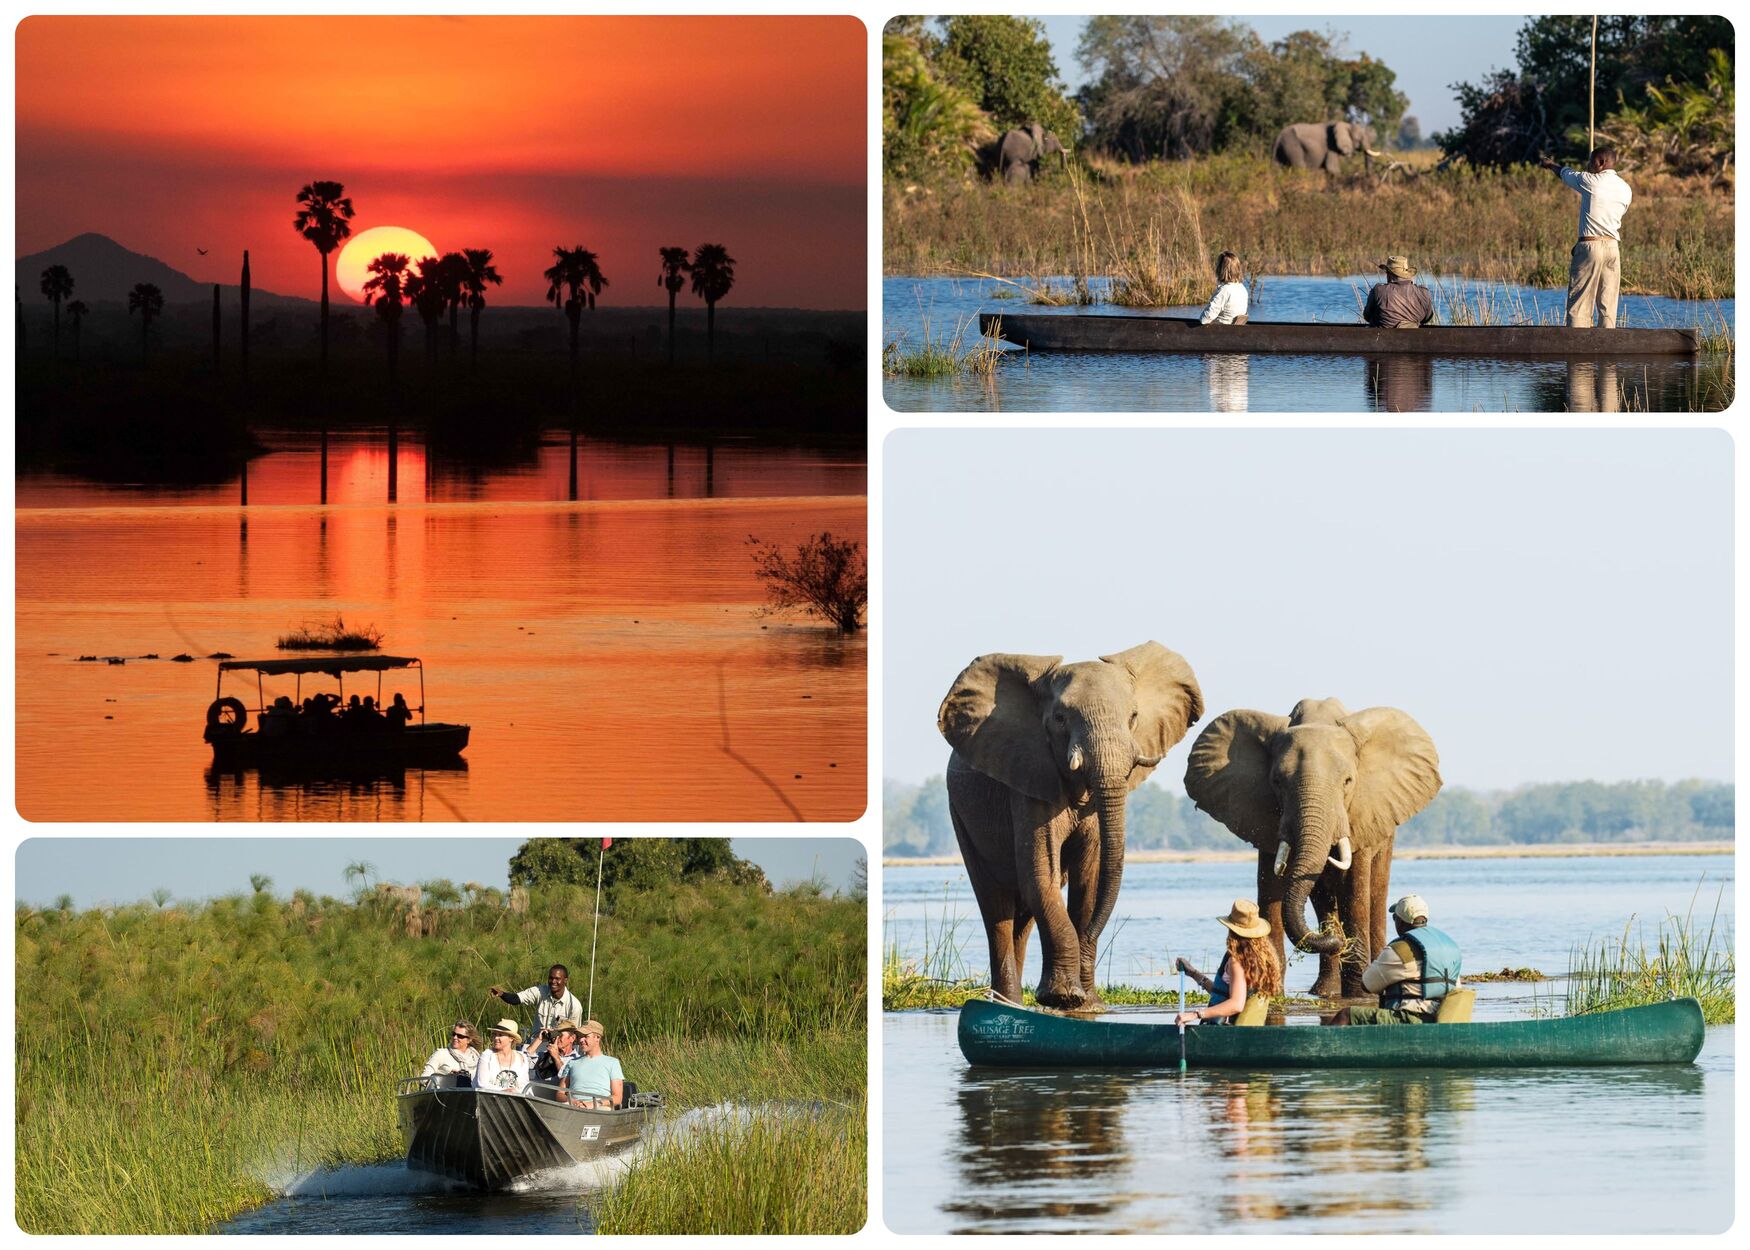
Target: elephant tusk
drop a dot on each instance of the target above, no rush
(1371, 152)
(1281, 858)
(1347, 856)
(1149, 761)
(1075, 759)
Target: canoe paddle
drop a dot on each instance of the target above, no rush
(1181, 1016)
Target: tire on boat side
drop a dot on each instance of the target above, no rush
(217, 725)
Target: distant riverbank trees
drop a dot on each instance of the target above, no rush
(915, 818)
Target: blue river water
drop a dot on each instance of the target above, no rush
(1627, 1150)
(917, 310)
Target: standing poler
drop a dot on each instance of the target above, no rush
(1595, 269)
(552, 1003)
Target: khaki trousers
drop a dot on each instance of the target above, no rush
(1594, 280)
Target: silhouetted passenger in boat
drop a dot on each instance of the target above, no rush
(369, 717)
(399, 713)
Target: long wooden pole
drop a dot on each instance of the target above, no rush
(1592, 95)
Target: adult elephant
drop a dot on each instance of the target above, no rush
(1018, 153)
(1045, 755)
(1316, 145)
(1320, 793)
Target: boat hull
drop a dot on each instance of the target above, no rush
(409, 747)
(998, 1036)
(487, 1141)
(1082, 333)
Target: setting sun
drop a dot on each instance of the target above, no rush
(365, 246)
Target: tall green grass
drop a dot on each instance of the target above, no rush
(171, 1060)
(1681, 960)
(935, 356)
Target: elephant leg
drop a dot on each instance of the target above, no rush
(1324, 905)
(1081, 864)
(998, 903)
(1333, 163)
(1023, 929)
(1270, 904)
(1381, 894)
(1356, 896)
(1060, 983)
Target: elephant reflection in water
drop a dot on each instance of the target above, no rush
(1046, 1136)
(1229, 377)
(1592, 386)
(1401, 382)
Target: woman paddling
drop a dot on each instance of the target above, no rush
(1249, 967)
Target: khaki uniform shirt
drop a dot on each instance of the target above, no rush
(1395, 965)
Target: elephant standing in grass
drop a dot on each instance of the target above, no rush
(1310, 145)
(1045, 755)
(1320, 793)
(1018, 153)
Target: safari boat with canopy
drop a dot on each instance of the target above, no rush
(997, 1035)
(327, 732)
(487, 1140)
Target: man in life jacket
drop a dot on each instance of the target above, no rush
(1411, 975)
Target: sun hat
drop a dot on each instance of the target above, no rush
(1399, 267)
(1410, 909)
(1244, 919)
(507, 1026)
(592, 1026)
(565, 1026)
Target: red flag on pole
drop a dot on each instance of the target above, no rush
(606, 843)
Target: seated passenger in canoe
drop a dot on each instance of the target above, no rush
(562, 1045)
(1249, 967)
(592, 1079)
(504, 1069)
(1228, 304)
(1411, 975)
(459, 1057)
(1398, 303)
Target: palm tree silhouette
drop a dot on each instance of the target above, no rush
(673, 277)
(573, 282)
(384, 290)
(425, 290)
(57, 286)
(453, 281)
(148, 301)
(477, 273)
(324, 220)
(713, 270)
(77, 311)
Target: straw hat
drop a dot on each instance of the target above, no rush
(507, 1026)
(1399, 267)
(566, 1026)
(1411, 909)
(592, 1026)
(1244, 919)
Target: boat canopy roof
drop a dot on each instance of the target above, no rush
(334, 665)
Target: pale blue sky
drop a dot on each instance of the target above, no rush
(1551, 604)
(1428, 53)
(125, 870)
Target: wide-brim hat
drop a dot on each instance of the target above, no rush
(1244, 919)
(1398, 267)
(592, 1026)
(507, 1026)
(566, 1026)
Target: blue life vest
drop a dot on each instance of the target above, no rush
(1439, 957)
(1220, 991)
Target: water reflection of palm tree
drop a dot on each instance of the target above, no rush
(77, 311)
(713, 270)
(477, 272)
(147, 300)
(673, 278)
(324, 218)
(384, 291)
(57, 285)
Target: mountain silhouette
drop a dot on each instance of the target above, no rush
(104, 272)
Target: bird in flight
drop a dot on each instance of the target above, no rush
(201, 250)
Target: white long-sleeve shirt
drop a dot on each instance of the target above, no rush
(510, 1077)
(1228, 302)
(1604, 197)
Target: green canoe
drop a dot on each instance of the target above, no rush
(1011, 1037)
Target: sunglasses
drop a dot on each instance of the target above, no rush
(461, 1037)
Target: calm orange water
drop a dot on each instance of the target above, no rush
(608, 656)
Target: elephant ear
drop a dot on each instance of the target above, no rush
(994, 718)
(1397, 771)
(1036, 132)
(1228, 774)
(1168, 701)
(1343, 138)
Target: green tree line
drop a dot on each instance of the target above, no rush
(915, 819)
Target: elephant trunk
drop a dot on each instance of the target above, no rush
(1312, 847)
(1111, 788)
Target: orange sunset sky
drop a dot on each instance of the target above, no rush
(517, 134)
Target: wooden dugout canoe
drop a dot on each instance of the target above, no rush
(1009, 1037)
(1081, 333)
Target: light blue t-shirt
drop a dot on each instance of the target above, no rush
(586, 1076)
